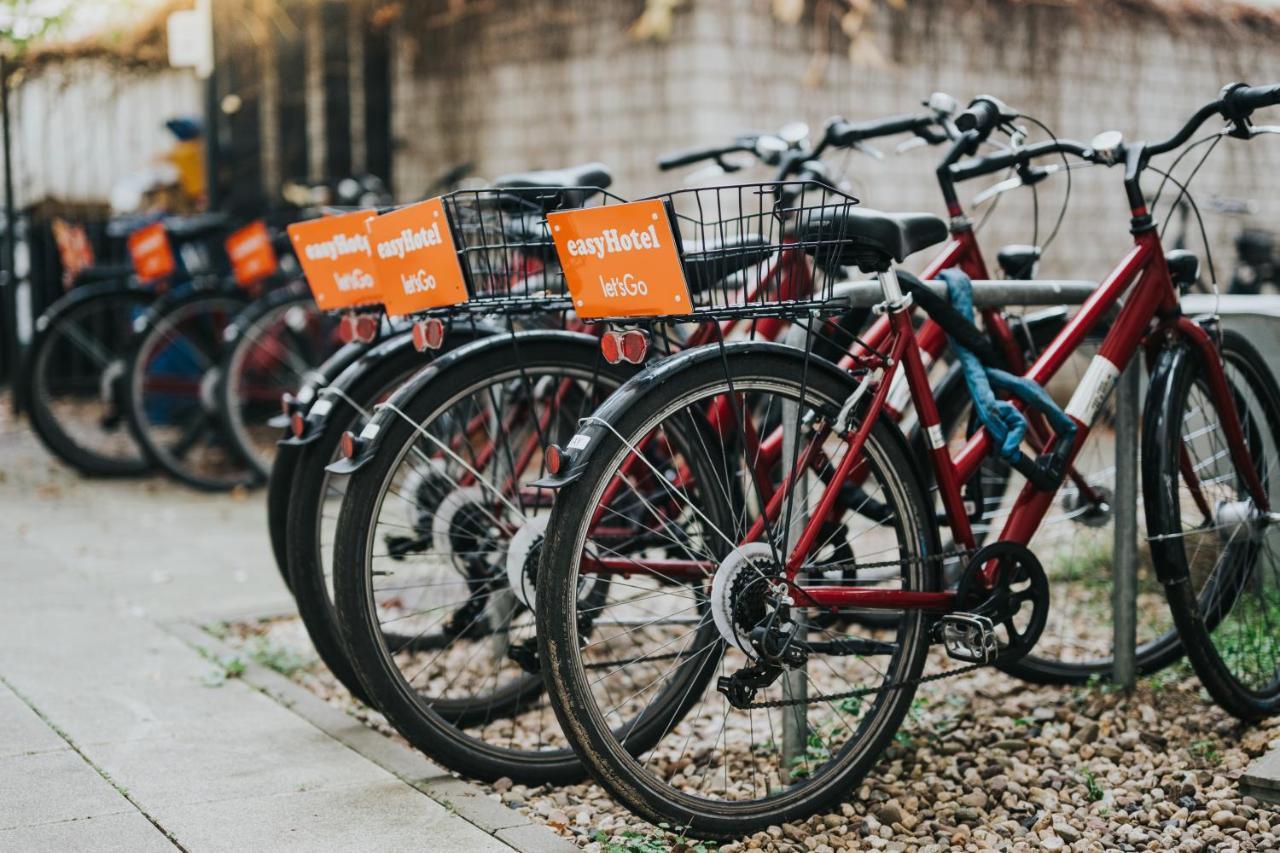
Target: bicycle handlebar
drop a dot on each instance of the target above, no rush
(976, 168)
(843, 134)
(677, 159)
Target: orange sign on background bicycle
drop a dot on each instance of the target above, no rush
(252, 256)
(621, 260)
(150, 253)
(75, 252)
(335, 258)
(417, 263)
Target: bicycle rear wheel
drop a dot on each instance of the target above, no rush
(275, 344)
(644, 507)
(429, 524)
(76, 385)
(172, 372)
(1218, 551)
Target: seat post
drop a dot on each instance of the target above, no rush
(889, 285)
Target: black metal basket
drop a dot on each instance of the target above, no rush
(505, 249)
(768, 249)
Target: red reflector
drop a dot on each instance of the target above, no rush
(555, 458)
(346, 330)
(635, 344)
(350, 445)
(428, 334)
(611, 347)
(297, 424)
(366, 328)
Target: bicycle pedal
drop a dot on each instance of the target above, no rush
(969, 637)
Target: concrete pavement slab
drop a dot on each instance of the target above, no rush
(386, 817)
(22, 732)
(54, 786)
(117, 833)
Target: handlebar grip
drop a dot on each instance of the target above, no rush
(1248, 98)
(845, 133)
(984, 115)
(676, 159)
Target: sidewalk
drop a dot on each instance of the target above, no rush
(111, 737)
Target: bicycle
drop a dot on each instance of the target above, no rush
(74, 383)
(748, 593)
(397, 505)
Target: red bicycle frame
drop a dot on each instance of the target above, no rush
(1150, 310)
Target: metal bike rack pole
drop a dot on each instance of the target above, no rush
(795, 682)
(863, 294)
(1124, 589)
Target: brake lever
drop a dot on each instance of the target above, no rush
(870, 150)
(908, 144)
(1014, 183)
(1263, 130)
(705, 173)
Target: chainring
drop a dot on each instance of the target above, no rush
(1019, 581)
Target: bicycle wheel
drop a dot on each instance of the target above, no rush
(275, 344)
(172, 372)
(1216, 548)
(642, 509)
(439, 640)
(75, 393)
(289, 451)
(316, 493)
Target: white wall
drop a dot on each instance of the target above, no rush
(80, 126)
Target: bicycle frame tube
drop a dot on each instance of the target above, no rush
(1152, 296)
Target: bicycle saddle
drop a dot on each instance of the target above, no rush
(867, 239)
(710, 261)
(588, 179)
(1018, 260)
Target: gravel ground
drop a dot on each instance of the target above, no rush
(985, 762)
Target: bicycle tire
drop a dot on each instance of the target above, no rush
(111, 304)
(196, 351)
(288, 451)
(435, 725)
(308, 349)
(617, 767)
(306, 562)
(1200, 611)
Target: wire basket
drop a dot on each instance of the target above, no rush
(768, 249)
(505, 249)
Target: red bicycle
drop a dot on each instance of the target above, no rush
(757, 608)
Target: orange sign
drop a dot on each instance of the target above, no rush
(152, 257)
(335, 257)
(74, 249)
(252, 256)
(417, 263)
(621, 260)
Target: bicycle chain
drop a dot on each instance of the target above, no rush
(863, 691)
(868, 691)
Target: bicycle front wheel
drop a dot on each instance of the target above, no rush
(690, 597)
(1219, 551)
